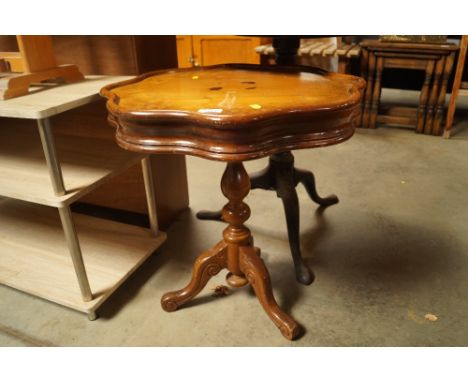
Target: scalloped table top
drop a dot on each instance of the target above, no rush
(233, 112)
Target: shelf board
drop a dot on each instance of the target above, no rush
(46, 100)
(34, 257)
(86, 163)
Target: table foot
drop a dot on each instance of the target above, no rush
(207, 265)
(210, 215)
(285, 189)
(257, 274)
(307, 179)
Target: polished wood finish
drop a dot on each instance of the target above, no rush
(218, 100)
(234, 113)
(435, 59)
(457, 85)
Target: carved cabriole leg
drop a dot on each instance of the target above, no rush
(263, 179)
(237, 254)
(254, 269)
(207, 265)
(308, 181)
(243, 259)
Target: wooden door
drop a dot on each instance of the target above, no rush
(185, 51)
(211, 50)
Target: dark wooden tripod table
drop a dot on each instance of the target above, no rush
(234, 113)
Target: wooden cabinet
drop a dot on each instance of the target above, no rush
(211, 50)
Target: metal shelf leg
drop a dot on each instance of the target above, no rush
(75, 251)
(48, 145)
(150, 195)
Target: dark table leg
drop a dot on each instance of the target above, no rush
(286, 50)
(281, 176)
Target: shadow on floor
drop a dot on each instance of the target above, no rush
(357, 257)
(172, 247)
(390, 253)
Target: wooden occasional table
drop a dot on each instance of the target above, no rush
(234, 113)
(71, 259)
(435, 59)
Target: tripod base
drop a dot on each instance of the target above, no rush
(237, 254)
(281, 176)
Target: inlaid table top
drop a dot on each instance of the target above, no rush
(235, 111)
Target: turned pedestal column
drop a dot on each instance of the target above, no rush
(237, 254)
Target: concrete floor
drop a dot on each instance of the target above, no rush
(394, 249)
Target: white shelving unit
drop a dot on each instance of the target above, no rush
(70, 259)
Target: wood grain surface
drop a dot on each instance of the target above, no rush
(212, 111)
(111, 251)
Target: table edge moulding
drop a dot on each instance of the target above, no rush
(214, 131)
